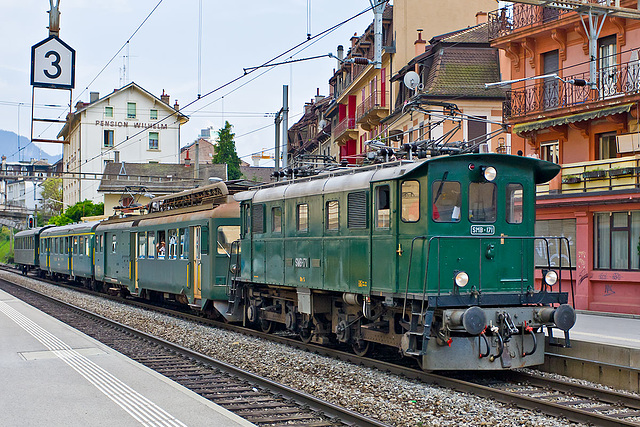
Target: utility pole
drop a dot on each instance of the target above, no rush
(285, 122)
(378, 7)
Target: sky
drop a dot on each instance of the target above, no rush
(163, 55)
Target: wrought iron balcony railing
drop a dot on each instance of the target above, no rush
(344, 125)
(552, 94)
(376, 100)
(506, 20)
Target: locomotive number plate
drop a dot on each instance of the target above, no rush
(301, 262)
(483, 230)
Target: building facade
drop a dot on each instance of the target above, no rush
(587, 120)
(130, 124)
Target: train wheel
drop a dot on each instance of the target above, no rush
(266, 326)
(361, 347)
(305, 335)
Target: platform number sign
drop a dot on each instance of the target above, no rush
(53, 64)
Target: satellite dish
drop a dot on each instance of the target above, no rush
(322, 123)
(411, 80)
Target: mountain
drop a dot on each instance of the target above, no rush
(9, 148)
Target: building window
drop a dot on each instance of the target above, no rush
(131, 110)
(332, 212)
(108, 138)
(607, 65)
(616, 238)
(153, 140)
(557, 248)
(607, 147)
(153, 114)
(302, 223)
(549, 151)
(108, 111)
(476, 129)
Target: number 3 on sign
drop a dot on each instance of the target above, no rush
(53, 64)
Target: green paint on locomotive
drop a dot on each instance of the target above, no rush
(367, 231)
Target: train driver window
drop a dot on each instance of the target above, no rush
(445, 201)
(410, 201)
(514, 203)
(482, 202)
(383, 205)
(142, 244)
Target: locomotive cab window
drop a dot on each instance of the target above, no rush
(445, 201)
(410, 201)
(482, 202)
(514, 204)
(227, 234)
(383, 207)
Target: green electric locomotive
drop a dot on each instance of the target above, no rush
(434, 257)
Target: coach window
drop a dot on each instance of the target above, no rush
(332, 211)
(173, 243)
(184, 243)
(383, 204)
(162, 244)
(514, 203)
(151, 244)
(302, 223)
(75, 244)
(81, 245)
(445, 201)
(142, 244)
(67, 245)
(276, 220)
(482, 202)
(410, 201)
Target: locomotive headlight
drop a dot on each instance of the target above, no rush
(550, 277)
(489, 173)
(462, 279)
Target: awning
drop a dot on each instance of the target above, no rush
(546, 123)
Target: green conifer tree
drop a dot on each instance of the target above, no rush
(226, 152)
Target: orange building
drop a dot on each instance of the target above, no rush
(586, 119)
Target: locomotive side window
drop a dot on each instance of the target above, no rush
(276, 220)
(142, 244)
(302, 217)
(227, 234)
(383, 204)
(332, 212)
(410, 201)
(445, 201)
(514, 203)
(482, 202)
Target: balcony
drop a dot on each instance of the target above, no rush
(552, 95)
(372, 110)
(345, 130)
(597, 176)
(516, 17)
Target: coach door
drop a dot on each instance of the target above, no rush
(133, 259)
(195, 257)
(383, 240)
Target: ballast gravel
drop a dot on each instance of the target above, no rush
(391, 399)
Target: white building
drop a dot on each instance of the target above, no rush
(24, 194)
(129, 124)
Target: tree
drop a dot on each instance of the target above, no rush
(52, 196)
(226, 152)
(76, 212)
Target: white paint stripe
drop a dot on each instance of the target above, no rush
(139, 407)
(604, 337)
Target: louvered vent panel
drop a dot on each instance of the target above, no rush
(357, 209)
(257, 213)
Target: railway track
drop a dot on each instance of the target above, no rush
(568, 400)
(259, 400)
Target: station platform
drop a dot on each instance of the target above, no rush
(621, 330)
(52, 374)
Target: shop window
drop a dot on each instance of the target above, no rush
(557, 249)
(616, 240)
(410, 201)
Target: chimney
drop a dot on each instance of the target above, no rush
(419, 44)
(187, 160)
(354, 40)
(318, 97)
(164, 97)
(341, 55)
(481, 18)
(176, 106)
(307, 107)
(93, 97)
